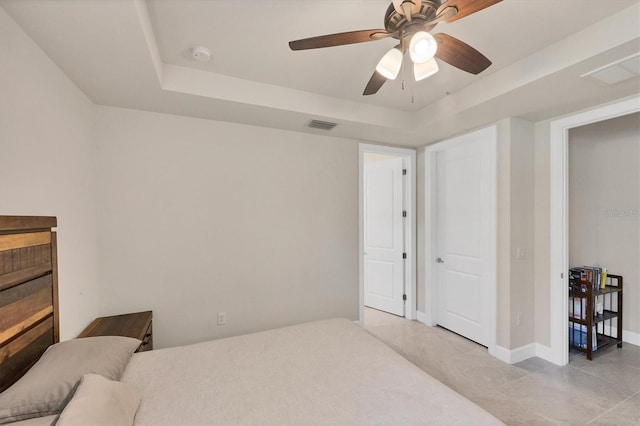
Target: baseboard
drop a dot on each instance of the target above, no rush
(627, 336)
(503, 354)
(631, 337)
(523, 352)
(422, 317)
(513, 356)
(543, 352)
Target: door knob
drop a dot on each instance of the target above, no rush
(439, 260)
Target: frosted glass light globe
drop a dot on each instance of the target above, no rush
(422, 47)
(389, 65)
(427, 69)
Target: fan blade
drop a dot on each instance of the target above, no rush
(466, 7)
(460, 55)
(339, 39)
(375, 83)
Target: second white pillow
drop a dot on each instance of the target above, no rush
(99, 401)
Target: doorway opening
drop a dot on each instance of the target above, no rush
(387, 246)
(559, 218)
(604, 232)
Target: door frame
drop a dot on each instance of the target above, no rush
(431, 285)
(409, 162)
(559, 217)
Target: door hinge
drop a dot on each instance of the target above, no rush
(404, 297)
(404, 213)
(404, 172)
(404, 255)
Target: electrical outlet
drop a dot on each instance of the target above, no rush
(521, 253)
(222, 318)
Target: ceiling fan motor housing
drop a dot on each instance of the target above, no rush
(398, 24)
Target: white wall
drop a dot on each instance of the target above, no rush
(47, 164)
(198, 217)
(604, 188)
(515, 292)
(522, 235)
(542, 226)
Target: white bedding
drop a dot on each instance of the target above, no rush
(327, 372)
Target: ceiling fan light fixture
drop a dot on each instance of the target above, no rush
(410, 22)
(422, 47)
(424, 70)
(389, 65)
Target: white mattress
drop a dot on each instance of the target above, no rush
(327, 372)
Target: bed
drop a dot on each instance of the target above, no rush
(324, 372)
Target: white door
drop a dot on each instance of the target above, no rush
(465, 178)
(384, 236)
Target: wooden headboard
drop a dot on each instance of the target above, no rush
(28, 293)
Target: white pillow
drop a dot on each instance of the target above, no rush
(99, 401)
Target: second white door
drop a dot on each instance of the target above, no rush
(464, 178)
(384, 236)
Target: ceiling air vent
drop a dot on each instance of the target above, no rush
(321, 125)
(616, 72)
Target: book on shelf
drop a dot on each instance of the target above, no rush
(578, 336)
(594, 276)
(578, 307)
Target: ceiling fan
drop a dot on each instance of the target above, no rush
(410, 22)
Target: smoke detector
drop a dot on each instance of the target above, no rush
(201, 54)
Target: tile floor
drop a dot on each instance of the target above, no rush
(605, 391)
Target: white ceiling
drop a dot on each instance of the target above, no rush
(135, 54)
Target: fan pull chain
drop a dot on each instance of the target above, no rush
(404, 78)
(404, 60)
